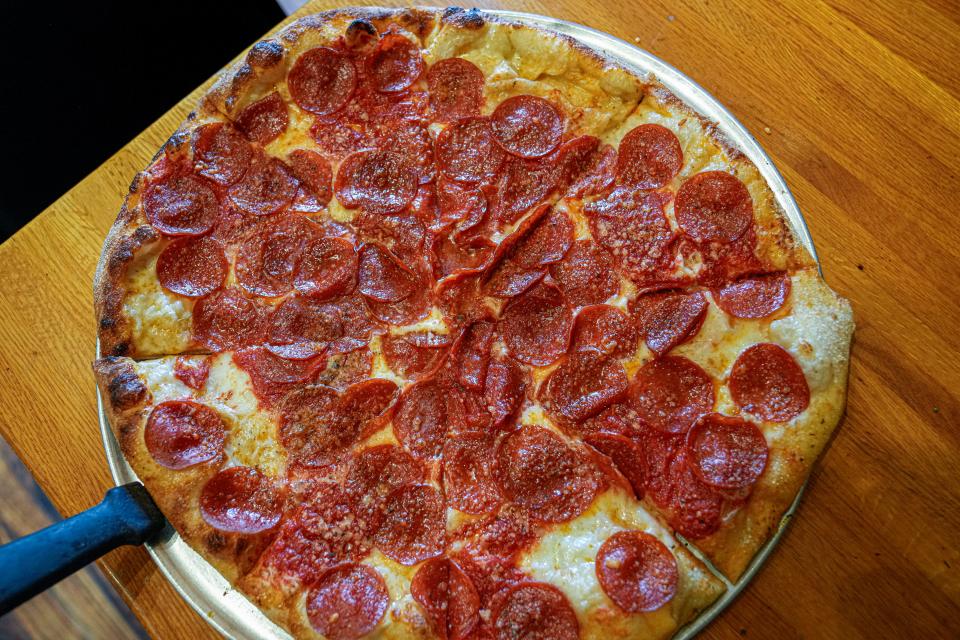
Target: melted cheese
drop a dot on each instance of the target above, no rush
(160, 321)
(565, 557)
(252, 434)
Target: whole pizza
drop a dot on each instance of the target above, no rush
(426, 324)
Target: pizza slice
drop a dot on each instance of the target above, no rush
(719, 414)
(546, 536)
(297, 503)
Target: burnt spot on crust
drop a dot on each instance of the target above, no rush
(124, 387)
(127, 247)
(137, 182)
(265, 54)
(417, 21)
(126, 391)
(464, 18)
(178, 141)
(360, 33)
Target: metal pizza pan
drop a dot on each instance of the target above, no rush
(235, 617)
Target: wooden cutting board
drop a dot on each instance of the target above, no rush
(857, 103)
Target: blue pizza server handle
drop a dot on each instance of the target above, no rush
(33, 563)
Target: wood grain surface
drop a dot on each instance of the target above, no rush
(857, 103)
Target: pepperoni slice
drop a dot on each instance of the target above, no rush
(306, 323)
(535, 611)
(727, 453)
(713, 206)
(459, 299)
(582, 386)
(395, 64)
(379, 181)
(449, 257)
(536, 325)
(767, 382)
(627, 456)
(456, 89)
(403, 235)
(694, 508)
(221, 153)
(382, 276)
(408, 137)
(754, 297)
(637, 571)
(241, 500)
(327, 268)
(430, 589)
(669, 318)
(539, 471)
(459, 202)
(272, 374)
(267, 260)
(420, 422)
(586, 275)
(413, 527)
(466, 150)
(635, 230)
(505, 388)
(322, 80)
(181, 205)
(314, 172)
(523, 184)
(353, 363)
(407, 358)
(265, 120)
(650, 156)
(407, 311)
(547, 242)
(375, 473)
(368, 403)
(310, 428)
(266, 188)
(468, 479)
(507, 278)
(191, 371)
(347, 602)
(527, 126)
(442, 588)
(669, 394)
(192, 267)
(606, 330)
(473, 354)
(180, 434)
(225, 320)
(586, 166)
(265, 365)
(317, 425)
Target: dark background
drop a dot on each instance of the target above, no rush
(83, 78)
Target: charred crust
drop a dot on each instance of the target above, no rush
(360, 33)
(265, 54)
(464, 18)
(124, 388)
(126, 391)
(178, 141)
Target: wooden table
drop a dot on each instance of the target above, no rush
(857, 102)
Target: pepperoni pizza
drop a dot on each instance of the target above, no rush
(429, 324)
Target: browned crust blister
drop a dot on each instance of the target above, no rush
(128, 399)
